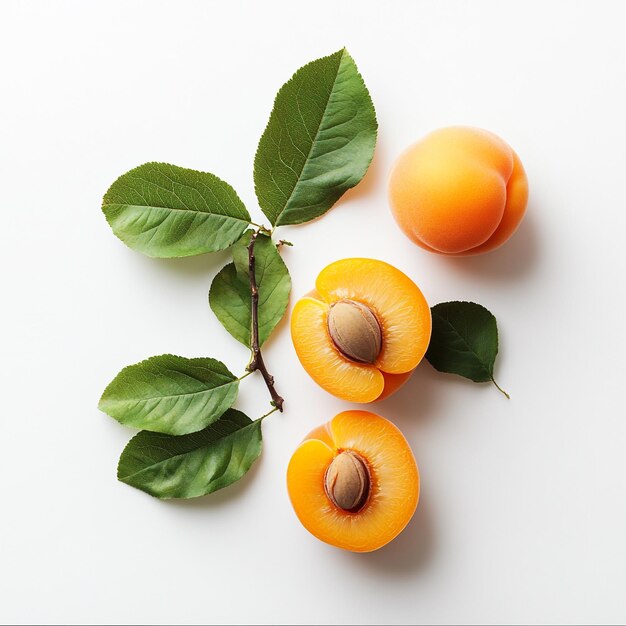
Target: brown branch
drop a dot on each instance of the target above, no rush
(256, 362)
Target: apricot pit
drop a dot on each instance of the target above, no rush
(347, 482)
(355, 331)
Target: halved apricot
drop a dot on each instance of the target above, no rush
(353, 482)
(362, 331)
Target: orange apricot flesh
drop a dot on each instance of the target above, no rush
(402, 314)
(393, 485)
(459, 191)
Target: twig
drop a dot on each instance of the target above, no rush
(256, 362)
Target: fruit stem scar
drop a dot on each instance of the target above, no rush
(256, 362)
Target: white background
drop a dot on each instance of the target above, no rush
(523, 511)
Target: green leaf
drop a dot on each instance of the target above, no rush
(188, 466)
(464, 341)
(170, 394)
(168, 211)
(230, 298)
(318, 143)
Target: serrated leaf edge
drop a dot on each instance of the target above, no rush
(344, 52)
(470, 349)
(160, 356)
(189, 169)
(490, 374)
(124, 479)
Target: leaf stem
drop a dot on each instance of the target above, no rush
(500, 388)
(256, 362)
(244, 375)
(273, 410)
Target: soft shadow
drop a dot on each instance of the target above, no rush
(365, 187)
(424, 395)
(516, 259)
(193, 266)
(410, 551)
(223, 497)
(416, 401)
(413, 403)
(370, 181)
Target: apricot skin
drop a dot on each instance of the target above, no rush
(394, 482)
(458, 191)
(400, 310)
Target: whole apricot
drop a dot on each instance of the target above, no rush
(363, 329)
(458, 191)
(353, 482)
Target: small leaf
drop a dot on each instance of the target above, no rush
(170, 394)
(168, 211)
(188, 466)
(464, 341)
(230, 297)
(318, 143)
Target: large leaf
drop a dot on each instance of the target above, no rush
(230, 298)
(464, 341)
(168, 211)
(192, 465)
(318, 143)
(170, 394)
